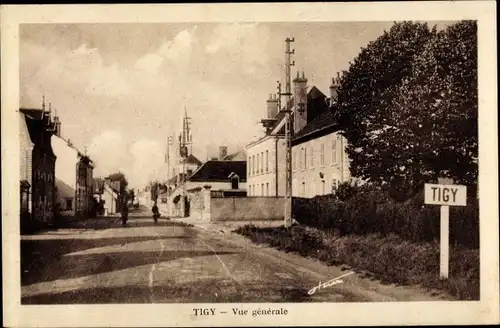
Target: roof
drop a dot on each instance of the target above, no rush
(84, 157)
(323, 124)
(33, 113)
(38, 131)
(97, 185)
(191, 159)
(219, 171)
(316, 104)
(238, 156)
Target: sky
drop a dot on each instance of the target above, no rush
(120, 89)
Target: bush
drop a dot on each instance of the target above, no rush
(370, 209)
(391, 259)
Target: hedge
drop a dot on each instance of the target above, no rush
(367, 209)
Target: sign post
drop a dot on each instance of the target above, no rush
(445, 194)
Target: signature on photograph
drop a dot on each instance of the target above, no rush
(329, 283)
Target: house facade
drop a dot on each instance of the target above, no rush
(319, 159)
(73, 176)
(37, 167)
(225, 178)
(266, 166)
(266, 157)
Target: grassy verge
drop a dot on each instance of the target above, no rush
(390, 259)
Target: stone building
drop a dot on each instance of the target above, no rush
(37, 167)
(266, 157)
(319, 159)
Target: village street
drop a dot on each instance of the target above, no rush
(98, 261)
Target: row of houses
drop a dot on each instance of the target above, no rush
(56, 178)
(319, 160)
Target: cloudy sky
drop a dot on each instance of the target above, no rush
(120, 89)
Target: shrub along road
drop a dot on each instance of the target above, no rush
(390, 259)
(98, 261)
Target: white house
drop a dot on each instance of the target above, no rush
(73, 177)
(266, 157)
(319, 159)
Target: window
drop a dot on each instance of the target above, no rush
(305, 158)
(262, 189)
(323, 191)
(253, 164)
(322, 154)
(258, 164)
(303, 189)
(267, 161)
(69, 204)
(261, 162)
(267, 189)
(249, 168)
(334, 151)
(334, 185)
(311, 155)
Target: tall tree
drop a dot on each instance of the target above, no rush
(366, 94)
(405, 100)
(438, 106)
(119, 176)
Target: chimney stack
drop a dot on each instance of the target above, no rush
(333, 89)
(272, 106)
(300, 102)
(57, 124)
(222, 152)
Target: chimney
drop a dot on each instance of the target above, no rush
(272, 106)
(300, 102)
(333, 89)
(222, 152)
(57, 124)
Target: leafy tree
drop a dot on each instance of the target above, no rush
(438, 108)
(408, 102)
(119, 176)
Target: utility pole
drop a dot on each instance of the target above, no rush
(167, 160)
(288, 129)
(279, 93)
(185, 141)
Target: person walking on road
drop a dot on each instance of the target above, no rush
(124, 213)
(156, 212)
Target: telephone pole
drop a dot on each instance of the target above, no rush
(167, 160)
(288, 129)
(185, 140)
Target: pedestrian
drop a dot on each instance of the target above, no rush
(156, 212)
(124, 213)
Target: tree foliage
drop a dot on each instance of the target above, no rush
(119, 176)
(408, 105)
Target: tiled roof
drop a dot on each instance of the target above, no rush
(235, 156)
(219, 171)
(33, 113)
(191, 159)
(323, 124)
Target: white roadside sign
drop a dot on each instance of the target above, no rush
(445, 195)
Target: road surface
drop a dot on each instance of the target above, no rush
(98, 261)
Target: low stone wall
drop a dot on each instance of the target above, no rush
(246, 208)
(199, 203)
